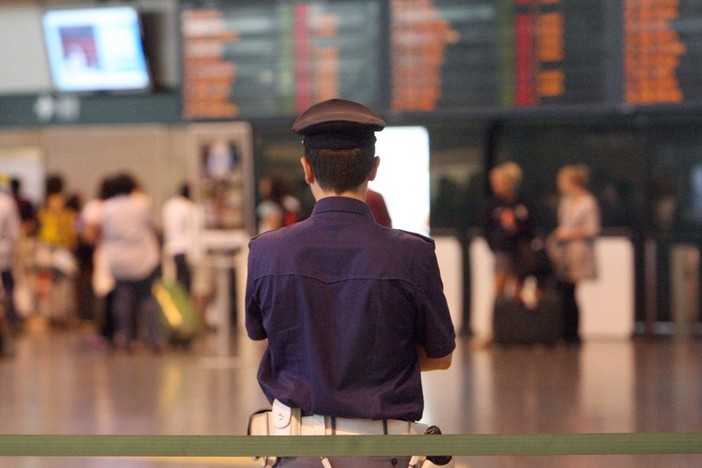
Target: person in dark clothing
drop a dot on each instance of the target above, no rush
(352, 312)
(25, 208)
(507, 227)
(376, 202)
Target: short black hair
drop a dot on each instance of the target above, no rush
(184, 190)
(107, 188)
(54, 184)
(15, 185)
(123, 184)
(339, 170)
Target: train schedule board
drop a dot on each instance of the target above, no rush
(250, 59)
(505, 54)
(270, 59)
(452, 54)
(662, 51)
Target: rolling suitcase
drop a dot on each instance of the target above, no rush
(181, 322)
(514, 323)
(6, 344)
(5, 338)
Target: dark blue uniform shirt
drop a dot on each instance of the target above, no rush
(344, 303)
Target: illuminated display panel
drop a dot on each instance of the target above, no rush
(495, 53)
(266, 59)
(269, 59)
(652, 52)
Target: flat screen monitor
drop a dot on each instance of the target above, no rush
(96, 49)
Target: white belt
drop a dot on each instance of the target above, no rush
(326, 425)
(283, 420)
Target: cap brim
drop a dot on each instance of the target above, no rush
(337, 115)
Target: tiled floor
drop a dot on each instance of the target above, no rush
(58, 384)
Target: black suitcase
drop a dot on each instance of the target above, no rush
(514, 323)
(5, 337)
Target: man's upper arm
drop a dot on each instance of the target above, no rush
(428, 364)
(253, 315)
(438, 336)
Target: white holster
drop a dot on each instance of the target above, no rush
(280, 420)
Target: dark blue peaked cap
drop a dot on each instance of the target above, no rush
(338, 124)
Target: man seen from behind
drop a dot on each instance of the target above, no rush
(353, 311)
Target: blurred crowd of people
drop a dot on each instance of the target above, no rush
(66, 263)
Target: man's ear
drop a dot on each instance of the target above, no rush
(307, 169)
(374, 170)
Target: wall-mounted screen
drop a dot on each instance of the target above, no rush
(96, 49)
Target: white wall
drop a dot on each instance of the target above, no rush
(606, 304)
(85, 154)
(156, 154)
(23, 68)
(450, 257)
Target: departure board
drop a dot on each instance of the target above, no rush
(662, 51)
(496, 53)
(267, 59)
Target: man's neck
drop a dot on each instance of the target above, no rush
(358, 193)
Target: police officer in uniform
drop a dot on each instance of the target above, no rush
(352, 311)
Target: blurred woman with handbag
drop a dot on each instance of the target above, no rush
(571, 244)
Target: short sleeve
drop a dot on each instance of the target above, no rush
(435, 327)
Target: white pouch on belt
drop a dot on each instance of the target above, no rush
(279, 420)
(285, 420)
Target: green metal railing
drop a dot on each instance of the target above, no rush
(22, 445)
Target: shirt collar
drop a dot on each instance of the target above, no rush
(346, 204)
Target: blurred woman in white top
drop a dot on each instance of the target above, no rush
(572, 242)
(102, 281)
(180, 228)
(132, 252)
(9, 235)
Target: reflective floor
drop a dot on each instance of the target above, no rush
(59, 383)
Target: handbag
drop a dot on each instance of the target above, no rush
(533, 259)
